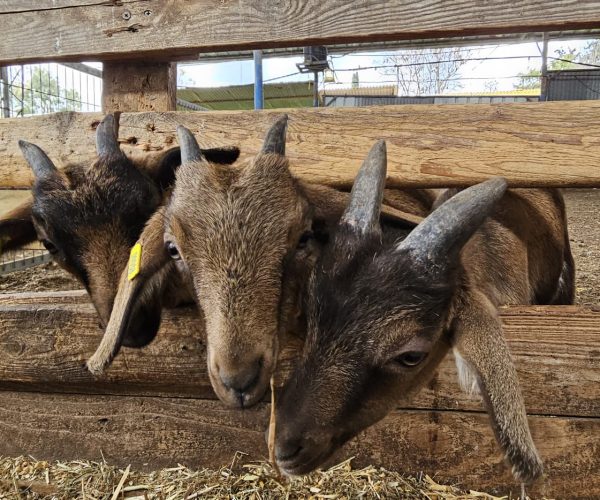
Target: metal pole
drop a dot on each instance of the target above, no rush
(316, 90)
(4, 98)
(544, 79)
(258, 80)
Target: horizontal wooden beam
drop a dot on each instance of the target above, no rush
(77, 30)
(148, 432)
(45, 339)
(531, 144)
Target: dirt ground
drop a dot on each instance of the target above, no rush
(583, 211)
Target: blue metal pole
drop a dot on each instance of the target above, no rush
(258, 80)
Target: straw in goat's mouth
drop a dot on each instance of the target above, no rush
(272, 430)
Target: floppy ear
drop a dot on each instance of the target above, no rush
(164, 172)
(16, 227)
(223, 156)
(480, 346)
(154, 269)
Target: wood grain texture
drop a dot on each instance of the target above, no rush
(139, 86)
(531, 144)
(84, 30)
(151, 432)
(44, 343)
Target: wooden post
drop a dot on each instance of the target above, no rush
(544, 76)
(139, 86)
(5, 96)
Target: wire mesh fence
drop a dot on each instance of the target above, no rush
(23, 258)
(35, 89)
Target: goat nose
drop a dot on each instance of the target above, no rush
(287, 449)
(242, 378)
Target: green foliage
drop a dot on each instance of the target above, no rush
(42, 94)
(566, 58)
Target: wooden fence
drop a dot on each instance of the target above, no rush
(155, 406)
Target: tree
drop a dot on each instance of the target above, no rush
(530, 80)
(43, 94)
(426, 71)
(567, 58)
(591, 53)
(491, 86)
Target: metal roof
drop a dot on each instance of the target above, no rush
(276, 95)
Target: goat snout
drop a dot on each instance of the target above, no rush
(287, 451)
(243, 378)
(298, 453)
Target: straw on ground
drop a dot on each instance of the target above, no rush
(25, 477)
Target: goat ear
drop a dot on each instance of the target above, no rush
(481, 349)
(154, 267)
(436, 242)
(41, 166)
(164, 172)
(362, 214)
(275, 138)
(107, 143)
(16, 227)
(226, 155)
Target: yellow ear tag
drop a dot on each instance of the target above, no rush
(135, 259)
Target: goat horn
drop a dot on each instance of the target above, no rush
(106, 137)
(190, 151)
(437, 241)
(40, 164)
(364, 207)
(275, 138)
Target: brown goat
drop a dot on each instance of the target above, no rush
(248, 238)
(88, 217)
(384, 309)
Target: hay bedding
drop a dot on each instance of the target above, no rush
(26, 478)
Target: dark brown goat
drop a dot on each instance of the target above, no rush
(384, 309)
(89, 216)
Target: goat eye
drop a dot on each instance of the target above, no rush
(48, 245)
(304, 239)
(172, 250)
(411, 358)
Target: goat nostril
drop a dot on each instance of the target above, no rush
(287, 452)
(242, 380)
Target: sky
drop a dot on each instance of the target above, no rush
(475, 75)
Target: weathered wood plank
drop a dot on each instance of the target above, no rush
(152, 432)
(531, 144)
(139, 86)
(65, 297)
(44, 343)
(80, 30)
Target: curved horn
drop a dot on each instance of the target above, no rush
(364, 207)
(438, 240)
(40, 164)
(275, 138)
(190, 151)
(106, 137)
